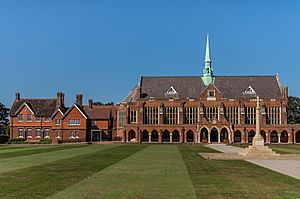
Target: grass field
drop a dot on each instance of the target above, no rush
(134, 171)
(279, 148)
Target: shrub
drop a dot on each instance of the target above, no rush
(16, 141)
(4, 138)
(45, 141)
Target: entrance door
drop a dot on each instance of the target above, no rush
(96, 136)
(214, 135)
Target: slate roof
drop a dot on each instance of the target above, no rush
(101, 113)
(232, 87)
(41, 107)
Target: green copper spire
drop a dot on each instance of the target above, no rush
(208, 70)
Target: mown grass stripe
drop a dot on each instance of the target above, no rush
(10, 164)
(32, 151)
(45, 180)
(16, 149)
(235, 178)
(155, 172)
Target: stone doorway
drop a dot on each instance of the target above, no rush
(213, 135)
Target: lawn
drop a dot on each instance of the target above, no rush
(135, 171)
(279, 148)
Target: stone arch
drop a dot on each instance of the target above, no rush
(263, 134)
(145, 136)
(204, 134)
(297, 137)
(224, 134)
(154, 136)
(175, 136)
(237, 136)
(251, 135)
(274, 137)
(166, 136)
(131, 135)
(189, 136)
(214, 134)
(284, 137)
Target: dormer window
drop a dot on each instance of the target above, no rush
(171, 93)
(171, 90)
(249, 91)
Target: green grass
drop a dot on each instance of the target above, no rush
(235, 178)
(10, 153)
(45, 180)
(278, 148)
(138, 171)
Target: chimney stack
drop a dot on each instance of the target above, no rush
(60, 100)
(17, 96)
(90, 104)
(79, 99)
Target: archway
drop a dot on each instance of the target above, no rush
(284, 137)
(145, 136)
(274, 137)
(213, 135)
(203, 134)
(298, 137)
(166, 136)
(175, 136)
(190, 136)
(131, 136)
(154, 136)
(263, 134)
(237, 136)
(251, 134)
(224, 134)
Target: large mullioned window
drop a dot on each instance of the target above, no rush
(121, 119)
(211, 113)
(171, 115)
(250, 115)
(133, 118)
(151, 115)
(273, 115)
(191, 115)
(232, 114)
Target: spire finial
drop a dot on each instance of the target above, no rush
(207, 52)
(208, 70)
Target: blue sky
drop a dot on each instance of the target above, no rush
(100, 48)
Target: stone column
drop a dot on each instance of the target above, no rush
(208, 139)
(171, 137)
(159, 136)
(279, 135)
(149, 137)
(181, 137)
(219, 137)
(198, 137)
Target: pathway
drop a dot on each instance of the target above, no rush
(290, 167)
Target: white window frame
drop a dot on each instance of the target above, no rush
(20, 118)
(29, 116)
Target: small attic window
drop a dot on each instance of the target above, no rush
(249, 91)
(171, 90)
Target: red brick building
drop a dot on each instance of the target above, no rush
(205, 108)
(33, 119)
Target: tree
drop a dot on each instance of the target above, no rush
(4, 113)
(105, 104)
(294, 110)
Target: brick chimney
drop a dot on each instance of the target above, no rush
(17, 96)
(79, 99)
(60, 100)
(90, 104)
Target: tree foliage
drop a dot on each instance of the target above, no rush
(294, 110)
(4, 114)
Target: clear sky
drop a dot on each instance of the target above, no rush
(100, 48)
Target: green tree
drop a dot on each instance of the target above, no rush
(294, 110)
(4, 114)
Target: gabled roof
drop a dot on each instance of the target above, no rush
(98, 112)
(59, 110)
(78, 108)
(41, 107)
(231, 87)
